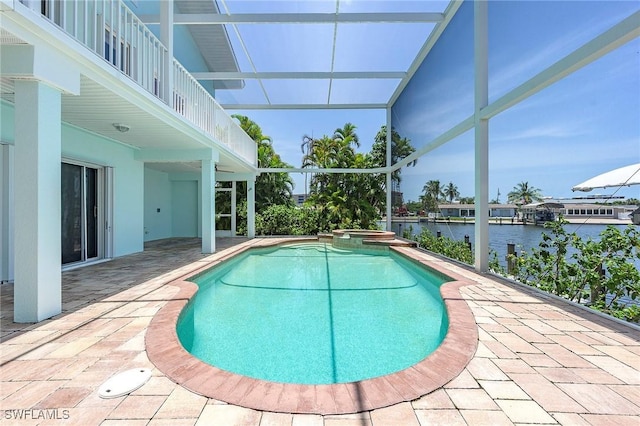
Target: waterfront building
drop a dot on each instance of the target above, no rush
(468, 210)
(604, 211)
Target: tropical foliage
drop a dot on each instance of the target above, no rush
(348, 200)
(271, 188)
(600, 273)
(457, 250)
(287, 220)
(400, 149)
(432, 193)
(522, 194)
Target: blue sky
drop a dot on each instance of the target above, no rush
(583, 125)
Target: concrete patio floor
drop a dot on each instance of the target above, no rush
(539, 361)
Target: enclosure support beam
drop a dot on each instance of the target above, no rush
(481, 43)
(389, 193)
(234, 209)
(251, 208)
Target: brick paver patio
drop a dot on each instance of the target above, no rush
(539, 361)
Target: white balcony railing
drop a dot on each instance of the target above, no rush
(111, 30)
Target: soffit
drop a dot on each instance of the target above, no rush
(98, 108)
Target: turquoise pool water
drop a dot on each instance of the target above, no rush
(314, 314)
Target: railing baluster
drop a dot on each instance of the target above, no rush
(75, 19)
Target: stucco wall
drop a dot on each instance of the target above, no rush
(128, 216)
(157, 195)
(128, 190)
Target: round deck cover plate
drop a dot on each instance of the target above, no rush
(124, 383)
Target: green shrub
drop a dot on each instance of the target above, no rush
(457, 250)
(287, 220)
(600, 274)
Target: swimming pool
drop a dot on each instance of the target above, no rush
(315, 314)
(169, 356)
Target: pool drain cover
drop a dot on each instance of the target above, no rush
(124, 383)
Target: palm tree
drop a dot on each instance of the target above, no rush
(432, 193)
(524, 194)
(347, 200)
(347, 135)
(433, 189)
(400, 148)
(451, 192)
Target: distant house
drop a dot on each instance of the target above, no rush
(468, 210)
(299, 199)
(607, 211)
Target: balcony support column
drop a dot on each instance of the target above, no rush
(37, 215)
(208, 206)
(166, 38)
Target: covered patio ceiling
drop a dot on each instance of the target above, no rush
(321, 54)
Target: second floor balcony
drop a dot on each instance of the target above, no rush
(115, 36)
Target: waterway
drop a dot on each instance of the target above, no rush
(525, 237)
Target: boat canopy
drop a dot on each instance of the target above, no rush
(543, 205)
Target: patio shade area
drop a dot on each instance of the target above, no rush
(539, 360)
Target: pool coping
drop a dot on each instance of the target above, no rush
(441, 366)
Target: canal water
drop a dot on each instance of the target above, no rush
(523, 236)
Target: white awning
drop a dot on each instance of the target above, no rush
(624, 176)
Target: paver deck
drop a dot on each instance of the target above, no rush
(538, 360)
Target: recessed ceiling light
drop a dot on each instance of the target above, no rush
(122, 128)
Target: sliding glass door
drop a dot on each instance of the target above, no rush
(82, 213)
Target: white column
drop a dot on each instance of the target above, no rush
(38, 289)
(208, 206)
(6, 213)
(481, 43)
(251, 208)
(234, 208)
(389, 181)
(166, 38)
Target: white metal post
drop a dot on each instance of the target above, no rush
(251, 207)
(166, 38)
(389, 181)
(481, 48)
(233, 208)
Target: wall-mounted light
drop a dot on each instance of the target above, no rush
(122, 128)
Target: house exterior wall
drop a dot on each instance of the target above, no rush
(177, 195)
(157, 195)
(128, 190)
(6, 212)
(184, 221)
(186, 207)
(128, 183)
(6, 192)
